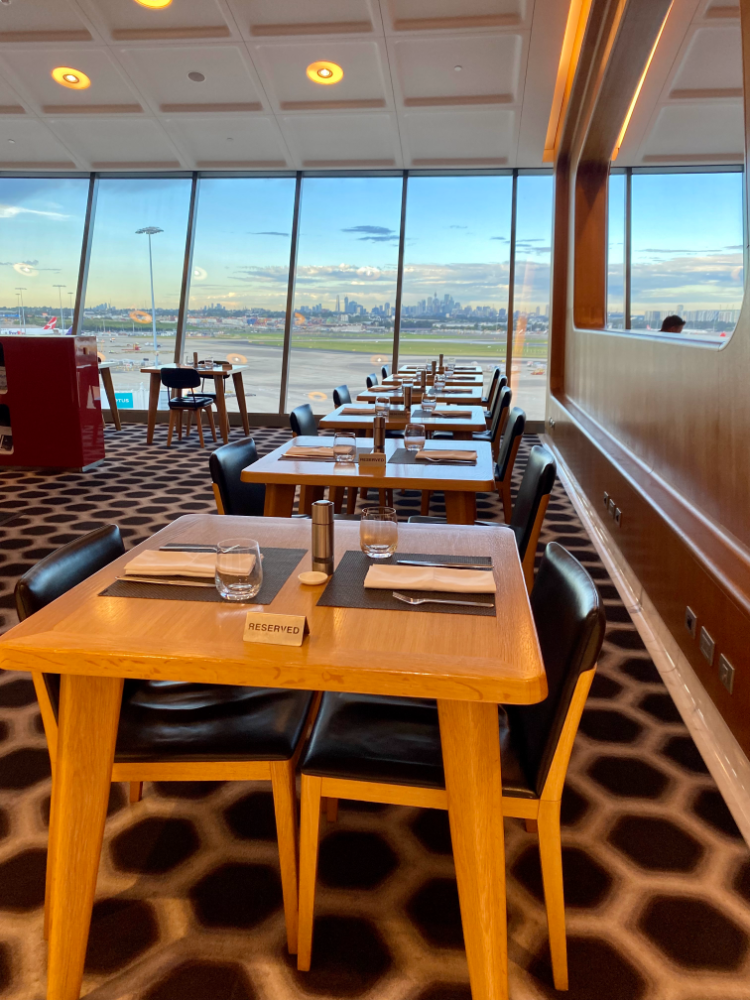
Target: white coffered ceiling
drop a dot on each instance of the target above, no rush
(402, 101)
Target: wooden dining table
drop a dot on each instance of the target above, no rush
(469, 395)
(461, 421)
(219, 376)
(459, 378)
(469, 664)
(459, 483)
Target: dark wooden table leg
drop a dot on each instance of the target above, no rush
(239, 388)
(221, 407)
(279, 500)
(460, 507)
(153, 405)
(109, 389)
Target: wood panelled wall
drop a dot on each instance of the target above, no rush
(661, 425)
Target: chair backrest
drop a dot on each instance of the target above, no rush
(341, 395)
(226, 464)
(180, 378)
(385, 371)
(502, 382)
(371, 380)
(531, 502)
(493, 388)
(59, 572)
(500, 412)
(514, 429)
(302, 420)
(570, 623)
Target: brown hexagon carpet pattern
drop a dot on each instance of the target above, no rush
(657, 877)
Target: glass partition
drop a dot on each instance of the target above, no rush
(239, 281)
(531, 291)
(616, 252)
(687, 251)
(456, 268)
(41, 231)
(135, 278)
(345, 285)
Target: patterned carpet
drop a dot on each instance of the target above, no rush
(189, 899)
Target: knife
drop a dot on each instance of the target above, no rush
(441, 565)
(164, 581)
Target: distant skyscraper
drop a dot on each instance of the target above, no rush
(338, 304)
(346, 303)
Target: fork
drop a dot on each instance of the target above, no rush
(440, 600)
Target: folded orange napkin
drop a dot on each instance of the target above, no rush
(435, 455)
(303, 451)
(454, 414)
(354, 411)
(152, 562)
(452, 581)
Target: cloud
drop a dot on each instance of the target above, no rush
(269, 232)
(458, 227)
(503, 239)
(378, 239)
(11, 211)
(371, 230)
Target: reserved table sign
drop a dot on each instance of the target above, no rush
(277, 630)
(372, 461)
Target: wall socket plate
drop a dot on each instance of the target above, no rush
(726, 673)
(691, 621)
(618, 516)
(606, 501)
(707, 646)
(611, 507)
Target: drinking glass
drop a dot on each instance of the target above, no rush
(239, 570)
(378, 532)
(382, 406)
(414, 437)
(345, 447)
(429, 400)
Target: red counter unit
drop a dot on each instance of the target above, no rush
(50, 411)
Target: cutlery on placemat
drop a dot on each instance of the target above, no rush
(164, 582)
(444, 565)
(186, 547)
(440, 600)
(449, 461)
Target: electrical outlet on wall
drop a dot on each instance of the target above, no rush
(726, 673)
(618, 516)
(707, 646)
(691, 621)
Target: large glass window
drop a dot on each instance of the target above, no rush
(531, 292)
(128, 264)
(345, 285)
(239, 283)
(456, 268)
(616, 252)
(41, 230)
(687, 251)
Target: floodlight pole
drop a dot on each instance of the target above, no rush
(62, 309)
(152, 231)
(23, 313)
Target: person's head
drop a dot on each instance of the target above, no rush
(672, 324)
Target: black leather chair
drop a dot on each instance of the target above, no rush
(371, 380)
(529, 510)
(173, 731)
(487, 400)
(187, 378)
(385, 372)
(388, 749)
(303, 421)
(341, 395)
(506, 458)
(500, 384)
(231, 494)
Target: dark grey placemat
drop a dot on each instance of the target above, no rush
(346, 588)
(278, 565)
(403, 457)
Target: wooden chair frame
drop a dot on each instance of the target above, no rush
(281, 774)
(175, 417)
(542, 816)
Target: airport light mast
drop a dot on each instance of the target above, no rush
(23, 313)
(62, 308)
(151, 231)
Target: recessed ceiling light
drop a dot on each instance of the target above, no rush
(196, 76)
(12, 142)
(68, 77)
(154, 4)
(458, 68)
(5, 3)
(325, 72)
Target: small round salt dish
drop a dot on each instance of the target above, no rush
(311, 579)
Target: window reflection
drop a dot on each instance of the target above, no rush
(122, 273)
(41, 231)
(345, 285)
(532, 293)
(687, 238)
(616, 252)
(456, 267)
(239, 281)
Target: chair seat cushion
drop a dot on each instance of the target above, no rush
(443, 435)
(482, 436)
(190, 402)
(172, 720)
(392, 740)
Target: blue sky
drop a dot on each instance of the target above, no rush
(687, 240)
